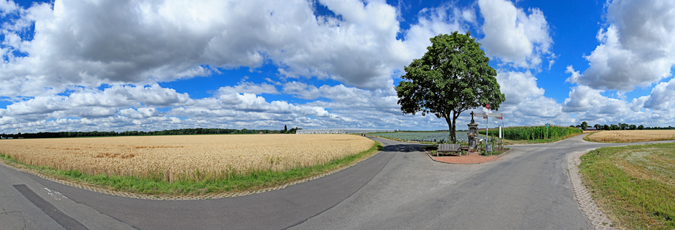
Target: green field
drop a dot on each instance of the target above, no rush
(634, 185)
(534, 132)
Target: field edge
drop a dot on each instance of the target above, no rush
(630, 202)
(587, 138)
(252, 183)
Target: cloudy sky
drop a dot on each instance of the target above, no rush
(122, 65)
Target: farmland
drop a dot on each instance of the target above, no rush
(422, 136)
(635, 185)
(184, 158)
(535, 132)
(627, 136)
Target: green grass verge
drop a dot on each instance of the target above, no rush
(248, 182)
(634, 185)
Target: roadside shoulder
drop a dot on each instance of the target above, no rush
(597, 218)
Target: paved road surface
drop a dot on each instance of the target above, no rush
(399, 188)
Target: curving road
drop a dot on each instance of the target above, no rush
(399, 188)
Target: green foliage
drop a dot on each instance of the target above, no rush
(584, 125)
(533, 132)
(453, 76)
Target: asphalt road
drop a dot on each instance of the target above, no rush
(399, 188)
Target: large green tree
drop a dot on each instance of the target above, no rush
(453, 76)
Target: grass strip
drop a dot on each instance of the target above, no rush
(237, 183)
(634, 185)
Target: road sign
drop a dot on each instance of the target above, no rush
(486, 115)
(487, 106)
(547, 125)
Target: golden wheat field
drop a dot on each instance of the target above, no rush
(173, 158)
(633, 135)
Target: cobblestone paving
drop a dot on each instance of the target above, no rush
(173, 197)
(583, 197)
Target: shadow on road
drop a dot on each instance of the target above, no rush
(396, 146)
(403, 148)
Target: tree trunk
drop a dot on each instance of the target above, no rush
(451, 129)
(455, 115)
(454, 136)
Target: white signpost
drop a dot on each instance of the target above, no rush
(486, 116)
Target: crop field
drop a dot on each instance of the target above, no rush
(634, 185)
(423, 136)
(184, 158)
(624, 136)
(534, 132)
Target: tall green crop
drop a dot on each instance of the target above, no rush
(533, 132)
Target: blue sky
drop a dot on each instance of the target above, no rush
(154, 65)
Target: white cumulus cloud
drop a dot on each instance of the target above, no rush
(514, 36)
(636, 48)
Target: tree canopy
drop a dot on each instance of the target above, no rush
(453, 76)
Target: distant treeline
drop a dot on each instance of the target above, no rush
(144, 133)
(620, 126)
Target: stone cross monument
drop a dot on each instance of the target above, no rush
(472, 134)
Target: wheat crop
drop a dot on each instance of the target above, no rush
(194, 158)
(632, 135)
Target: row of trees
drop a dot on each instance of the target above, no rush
(620, 126)
(144, 133)
(292, 131)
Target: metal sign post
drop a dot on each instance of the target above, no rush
(547, 125)
(486, 116)
(487, 127)
(500, 137)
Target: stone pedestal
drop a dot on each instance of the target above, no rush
(472, 134)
